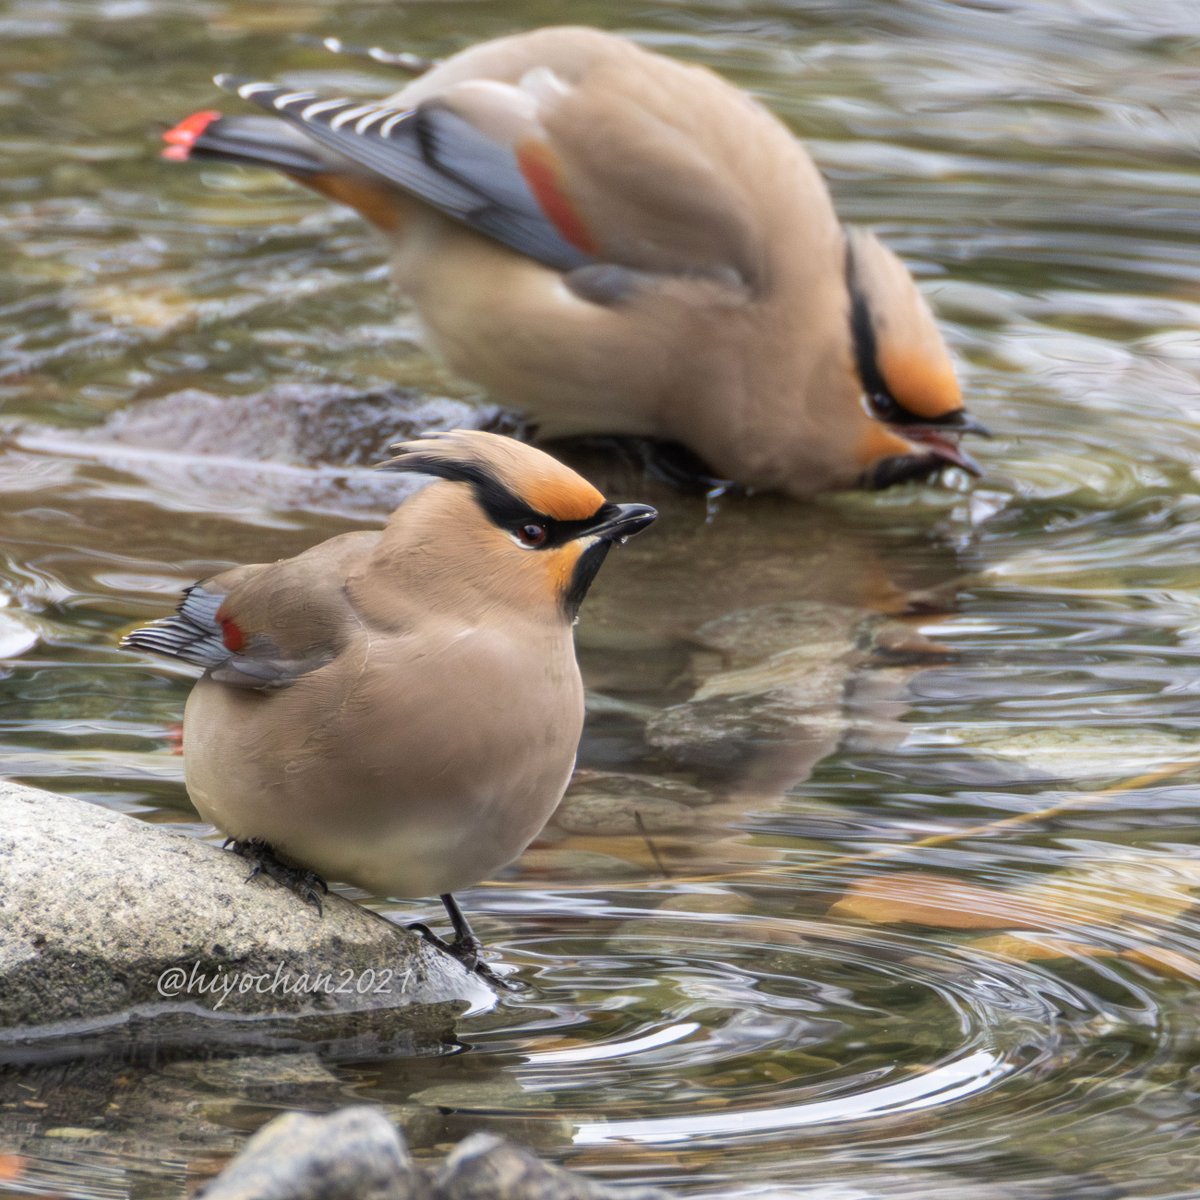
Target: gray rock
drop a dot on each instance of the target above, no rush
(569, 862)
(356, 1154)
(110, 923)
(353, 1154)
(485, 1167)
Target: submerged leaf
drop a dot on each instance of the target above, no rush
(1166, 962)
(12, 1167)
(1112, 892)
(1037, 948)
(939, 902)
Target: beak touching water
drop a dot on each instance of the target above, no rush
(932, 435)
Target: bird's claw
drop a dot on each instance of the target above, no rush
(467, 951)
(265, 861)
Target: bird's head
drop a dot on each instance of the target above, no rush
(908, 386)
(509, 519)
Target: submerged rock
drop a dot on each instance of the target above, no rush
(768, 699)
(296, 446)
(485, 1167)
(113, 928)
(615, 803)
(300, 423)
(356, 1153)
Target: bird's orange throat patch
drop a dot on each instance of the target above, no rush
(538, 580)
(879, 442)
(562, 564)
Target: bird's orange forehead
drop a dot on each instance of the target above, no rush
(920, 383)
(565, 498)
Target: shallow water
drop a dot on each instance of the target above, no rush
(812, 707)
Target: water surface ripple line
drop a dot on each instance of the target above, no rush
(945, 1084)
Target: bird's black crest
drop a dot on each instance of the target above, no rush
(866, 348)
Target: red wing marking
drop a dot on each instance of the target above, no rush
(231, 635)
(540, 167)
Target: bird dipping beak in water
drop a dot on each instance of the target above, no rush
(615, 242)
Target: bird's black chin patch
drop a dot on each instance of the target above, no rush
(902, 468)
(586, 568)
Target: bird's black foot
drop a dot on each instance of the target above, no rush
(663, 461)
(468, 953)
(509, 424)
(467, 950)
(301, 880)
(675, 464)
(466, 947)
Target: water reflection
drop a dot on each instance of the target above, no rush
(793, 709)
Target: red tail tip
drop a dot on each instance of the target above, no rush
(183, 136)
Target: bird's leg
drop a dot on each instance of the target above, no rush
(466, 947)
(664, 461)
(676, 465)
(267, 862)
(509, 424)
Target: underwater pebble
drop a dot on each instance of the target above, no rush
(599, 814)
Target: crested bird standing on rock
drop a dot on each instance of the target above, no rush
(615, 242)
(401, 709)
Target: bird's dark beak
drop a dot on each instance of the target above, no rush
(942, 450)
(945, 450)
(616, 522)
(961, 421)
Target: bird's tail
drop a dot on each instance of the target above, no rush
(402, 60)
(250, 140)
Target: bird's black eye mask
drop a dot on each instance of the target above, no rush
(504, 508)
(882, 403)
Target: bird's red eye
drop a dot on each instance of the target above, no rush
(531, 535)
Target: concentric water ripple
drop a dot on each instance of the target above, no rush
(748, 1036)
